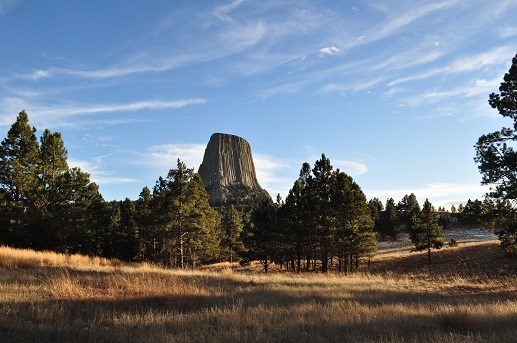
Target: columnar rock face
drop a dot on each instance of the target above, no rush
(228, 172)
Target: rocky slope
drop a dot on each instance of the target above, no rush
(228, 172)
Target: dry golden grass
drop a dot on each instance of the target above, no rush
(26, 258)
(89, 302)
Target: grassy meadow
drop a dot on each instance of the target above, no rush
(468, 295)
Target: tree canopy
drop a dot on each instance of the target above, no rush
(496, 155)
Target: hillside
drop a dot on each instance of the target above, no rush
(469, 294)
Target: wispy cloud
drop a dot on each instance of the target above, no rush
(398, 21)
(55, 113)
(165, 156)
(347, 87)
(222, 12)
(495, 56)
(7, 5)
(507, 31)
(352, 168)
(98, 173)
(475, 88)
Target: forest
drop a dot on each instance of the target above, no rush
(324, 222)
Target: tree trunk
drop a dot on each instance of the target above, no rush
(324, 263)
(429, 255)
(298, 257)
(181, 249)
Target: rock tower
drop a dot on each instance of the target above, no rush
(228, 172)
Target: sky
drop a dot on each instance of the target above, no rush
(395, 93)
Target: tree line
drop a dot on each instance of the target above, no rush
(324, 222)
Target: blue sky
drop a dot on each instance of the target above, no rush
(393, 92)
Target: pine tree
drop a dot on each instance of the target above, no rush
(496, 155)
(298, 209)
(260, 236)
(232, 226)
(19, 153)
(186, 220)
(407, 208)
(389, 220)
(148, 243)
(351, 215)
(425, 232)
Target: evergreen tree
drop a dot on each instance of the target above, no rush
(425, 232)
(260, 236)
(232, 226)
(472, 213)
(376, 211)
(184, 217)
(389, 223)
(407, 208)
(298, 209)
(51, 193)
(19, 153)
(128, 235)
(319, 200)
(327, 216)
(148, 244)
(496, 155)
(351, 215)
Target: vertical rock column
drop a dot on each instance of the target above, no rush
(228, 171)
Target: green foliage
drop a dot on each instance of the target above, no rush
(388, 225)
(232, 226)
(186, 223)
(325, 216)
(260, 235)
(44, 201)
(496, 155)
(501, 216)
(407, 208)
(472, 213)
(425, 233)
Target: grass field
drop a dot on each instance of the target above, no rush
(468, 295)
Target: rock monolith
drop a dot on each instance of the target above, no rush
(228, 172)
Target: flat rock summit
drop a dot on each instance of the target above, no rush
(228, 172)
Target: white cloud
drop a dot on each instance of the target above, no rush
(480, 82)
(7, 5)
(352, 168)
(45, 112)
(38, 75)
(239, 38)
(495, 56)
(402, 19)
(328, 51)
(98, 173)
(479, 87)
(165, 156)
(222, 12)
(268, 167)
(346, 87)
(507, 31)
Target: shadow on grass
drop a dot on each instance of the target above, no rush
(197, 318)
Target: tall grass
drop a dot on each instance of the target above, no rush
(26, 258)
(88, 302)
